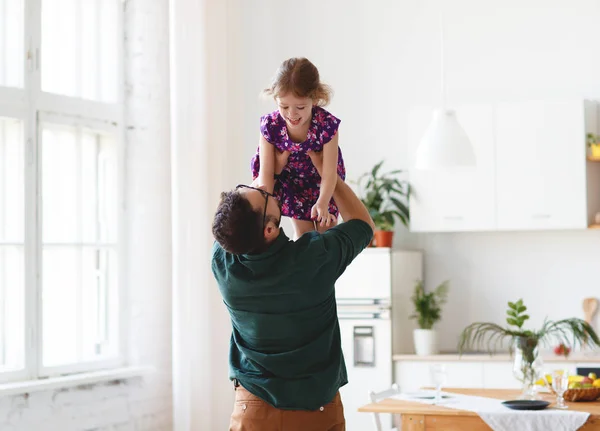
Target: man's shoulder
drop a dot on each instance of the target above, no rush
(354, 226)
(357, 230)
(218, 255)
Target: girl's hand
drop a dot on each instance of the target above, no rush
(320, 213)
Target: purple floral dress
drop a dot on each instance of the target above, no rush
(298, 185)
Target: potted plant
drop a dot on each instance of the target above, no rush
(525, 343)
(386, 198)
(593, 142)
(428, 311)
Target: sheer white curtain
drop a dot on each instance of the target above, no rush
(202, 393)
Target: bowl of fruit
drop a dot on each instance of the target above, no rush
(581, 388)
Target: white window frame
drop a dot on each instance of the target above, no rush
(32, 105)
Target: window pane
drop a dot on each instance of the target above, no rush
(79, 186)
(12, 55)
(79, 231)
(12, 308)
(12, 185)
(80, 314)
(12, 273)
(80, 54)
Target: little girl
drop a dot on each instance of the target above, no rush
(298, 126)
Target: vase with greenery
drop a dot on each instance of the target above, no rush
(525, 343)
(386, 198)
(427, 312)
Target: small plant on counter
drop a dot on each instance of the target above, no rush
(428, 306)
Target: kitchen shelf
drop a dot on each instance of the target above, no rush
(594, 226)
(593, 159)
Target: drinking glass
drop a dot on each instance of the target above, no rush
(438, 376)
(560, 383)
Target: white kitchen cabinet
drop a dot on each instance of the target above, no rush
(531, 170)
(541, 165)
(369, 276)
(413, 375)
(457, 199)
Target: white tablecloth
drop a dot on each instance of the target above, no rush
(501, 418)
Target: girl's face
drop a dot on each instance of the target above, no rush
(296, 111)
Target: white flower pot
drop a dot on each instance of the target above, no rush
(426, 342)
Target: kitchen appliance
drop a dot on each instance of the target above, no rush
(372, 293)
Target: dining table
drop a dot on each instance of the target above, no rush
(417, 416)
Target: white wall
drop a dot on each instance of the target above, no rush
(382, 58)
(138, 404)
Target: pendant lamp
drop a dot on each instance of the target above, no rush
(445, 143)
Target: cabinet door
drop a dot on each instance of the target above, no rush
(456, 199)
(540, 152)
(368, 276)
(412, 376)
(499, 375)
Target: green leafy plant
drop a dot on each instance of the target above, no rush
(385, 196)
(592, 139)
(428, 306)
(490, 336)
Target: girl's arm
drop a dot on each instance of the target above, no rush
(329, 177)
(266, 176)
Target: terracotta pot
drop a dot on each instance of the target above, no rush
(383, 238)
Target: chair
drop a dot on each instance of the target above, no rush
(375, 397)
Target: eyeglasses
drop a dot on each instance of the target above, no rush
(265, 193)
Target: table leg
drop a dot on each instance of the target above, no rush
(413, 423)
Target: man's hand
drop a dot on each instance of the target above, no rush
(317, 160)
(320, 214)
(281, 159)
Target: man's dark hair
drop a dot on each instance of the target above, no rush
(237, 226)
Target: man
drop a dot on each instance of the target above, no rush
(285, 356)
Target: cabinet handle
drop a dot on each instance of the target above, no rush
(454, 218)
(541, 216)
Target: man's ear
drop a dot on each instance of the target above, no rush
(269, 229)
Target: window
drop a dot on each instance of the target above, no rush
(61, 146)
(12, 247)
(12, 13)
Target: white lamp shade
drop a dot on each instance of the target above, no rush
(445, 144)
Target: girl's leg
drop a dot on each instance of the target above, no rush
(301, 227)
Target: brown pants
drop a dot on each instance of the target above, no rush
(250, 413)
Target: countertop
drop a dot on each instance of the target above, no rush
(577, 357)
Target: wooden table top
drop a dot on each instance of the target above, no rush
(413, 410)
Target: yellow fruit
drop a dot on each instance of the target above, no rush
(592, 376)
(577, 379)
(596, 383)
